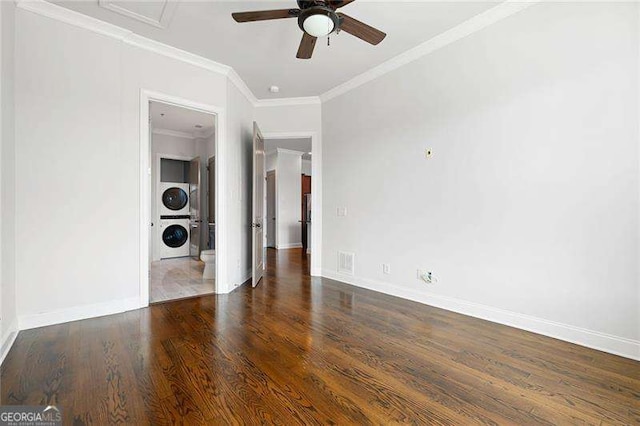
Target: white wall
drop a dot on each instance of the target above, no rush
(205, 149)
(270, 161)
(8, 313)
(289, 118)
(87, 112)
(240, 171)
(288, 202)
(174, 146)
(306, 167)
(528, 209)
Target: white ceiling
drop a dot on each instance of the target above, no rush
(264, 53)
(182, 120)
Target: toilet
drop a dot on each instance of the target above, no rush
(209, 259)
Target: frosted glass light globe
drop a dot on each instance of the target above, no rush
(318, 25)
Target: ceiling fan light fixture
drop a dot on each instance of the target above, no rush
(318, 25)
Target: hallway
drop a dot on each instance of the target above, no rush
(302, 350)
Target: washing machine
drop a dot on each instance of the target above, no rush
(174, 199)
(174, 238)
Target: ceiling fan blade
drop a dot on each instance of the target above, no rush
(360, 29)
(339, 3)
(306, 46)
(265, 15)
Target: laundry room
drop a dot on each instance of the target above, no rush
(182, 205)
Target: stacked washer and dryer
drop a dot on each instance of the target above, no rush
(174, 219)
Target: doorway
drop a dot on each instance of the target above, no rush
(288, 199)
(183, 145)
(271, 209)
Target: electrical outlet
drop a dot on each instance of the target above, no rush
(426, 276)
(386, 268)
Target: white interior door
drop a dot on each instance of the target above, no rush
(258, 206)
(195, 217)
(212, 203)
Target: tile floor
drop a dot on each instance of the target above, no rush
(178, 278)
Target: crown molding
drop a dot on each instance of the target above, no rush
(165, 17)
(77, 19)
(309, 100)
(290, 152)
(468, 27)
(472, 25)
(62, 14)
(174, 133)
(242, 86)
(175, 53)
(199, 134)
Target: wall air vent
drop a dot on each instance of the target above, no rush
(346, 262)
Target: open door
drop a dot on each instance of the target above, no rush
(258, 206)
(195, 217)
(212, 203)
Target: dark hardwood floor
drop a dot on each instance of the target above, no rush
(298, 350)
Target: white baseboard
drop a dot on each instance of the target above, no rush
(7, 340)
(245, 277)
(27, 322)
(289, 246)
(592, 339)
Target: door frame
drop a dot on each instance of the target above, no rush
(275, 208)
(147, 96)
(316, 192)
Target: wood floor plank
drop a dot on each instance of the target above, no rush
(303, 350)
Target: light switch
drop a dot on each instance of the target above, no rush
(342, 211)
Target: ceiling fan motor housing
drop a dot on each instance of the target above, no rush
(317, 8)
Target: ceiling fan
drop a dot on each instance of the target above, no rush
(317, 18)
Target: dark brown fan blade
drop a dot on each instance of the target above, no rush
(360, 29)
(265, 15)
(306, 46)
(339, 3)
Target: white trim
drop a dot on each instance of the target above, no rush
(242, 86)
(290, 152)
(592, 339)
(244, 278)
(175, 53)
(174, 133)
(76, 313)
(288, 246)
(308, 100)
(77, 19)
(638, 155)
(316, 193)
(165, 17)
(146, 96)
(472, 25)
(8, 339)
